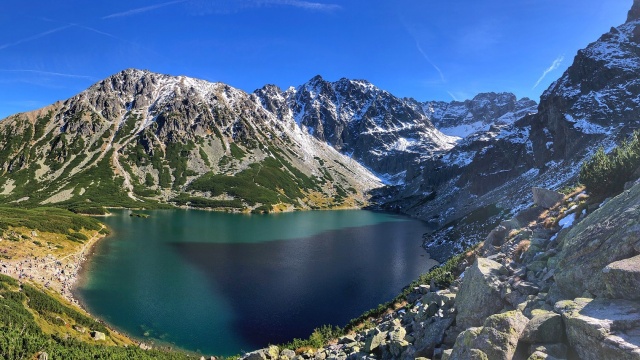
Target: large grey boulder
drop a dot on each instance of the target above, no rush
(429, 335)
(622, 279)
(544, 327)
(602, 328)
(497, 339)
(500, 333)
(546, 198)
(608, 235)
(479, 295)
(375, 338)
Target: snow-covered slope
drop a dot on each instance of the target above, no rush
(463, 118)
(384, 133)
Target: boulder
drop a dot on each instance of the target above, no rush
(255, 355)
(553, 351)
(374, 340)
(544, 327)
(500, 334)
(98, 336)
(546, 198)
(428, 336)
(287, 354)
(495, 239)
(606, 236)
(496, 340)
(622, 279)
(479, 295)
(602, 328)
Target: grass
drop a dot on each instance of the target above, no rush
(33, 322)
(51, 220)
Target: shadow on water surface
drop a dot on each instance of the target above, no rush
(283, 289)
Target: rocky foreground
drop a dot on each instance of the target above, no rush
(561, 280)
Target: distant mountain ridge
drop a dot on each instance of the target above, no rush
(156, 138)
(593, 104)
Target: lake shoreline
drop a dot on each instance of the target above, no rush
(56, 273)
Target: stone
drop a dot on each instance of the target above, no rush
(79, 329)
(43, 356)
(430, 335)
(255, 355)
(446, 354)
(98, 336)
(546, 198)
(144, 346)
(540, 355)
(544, 327)
(464, 344)
(556, 350)
(347, 339)
(606, 236)
(499, 336)
(287, 354)
(527, 288)
(622, 279)
(374, 340)
(495, 239)
(479, 295)
(602, 328)
(273, 352)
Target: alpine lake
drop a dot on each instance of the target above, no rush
(223, 283)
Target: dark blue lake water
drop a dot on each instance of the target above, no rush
(222, 283)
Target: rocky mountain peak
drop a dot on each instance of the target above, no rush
(634, 13)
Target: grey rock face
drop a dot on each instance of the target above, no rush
(546, 198)
(602, 328)
(499, 335)
(381, 131)
(479, 295)
(544, 327)
(622, 279)
(610, 234)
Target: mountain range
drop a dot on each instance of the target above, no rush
(141, 139)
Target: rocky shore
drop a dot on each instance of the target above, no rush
(55, 272)
(561, 280)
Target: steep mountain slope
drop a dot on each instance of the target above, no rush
(139, 137)
(593, 104)
(384, 133)
(463, 118)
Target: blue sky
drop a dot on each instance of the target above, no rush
(425, 49)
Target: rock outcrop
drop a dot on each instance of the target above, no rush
(602, 328)
(479, 295)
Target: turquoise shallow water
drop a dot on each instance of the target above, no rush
(223, 283)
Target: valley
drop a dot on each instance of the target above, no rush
(530, 208)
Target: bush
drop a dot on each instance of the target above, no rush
(605, 174)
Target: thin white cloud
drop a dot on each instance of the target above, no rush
(426, 57)
(556, 64)
(34, 37)
(223, 7)
(452, 96)
(307, 5)
(48, 73)
(142, 9)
